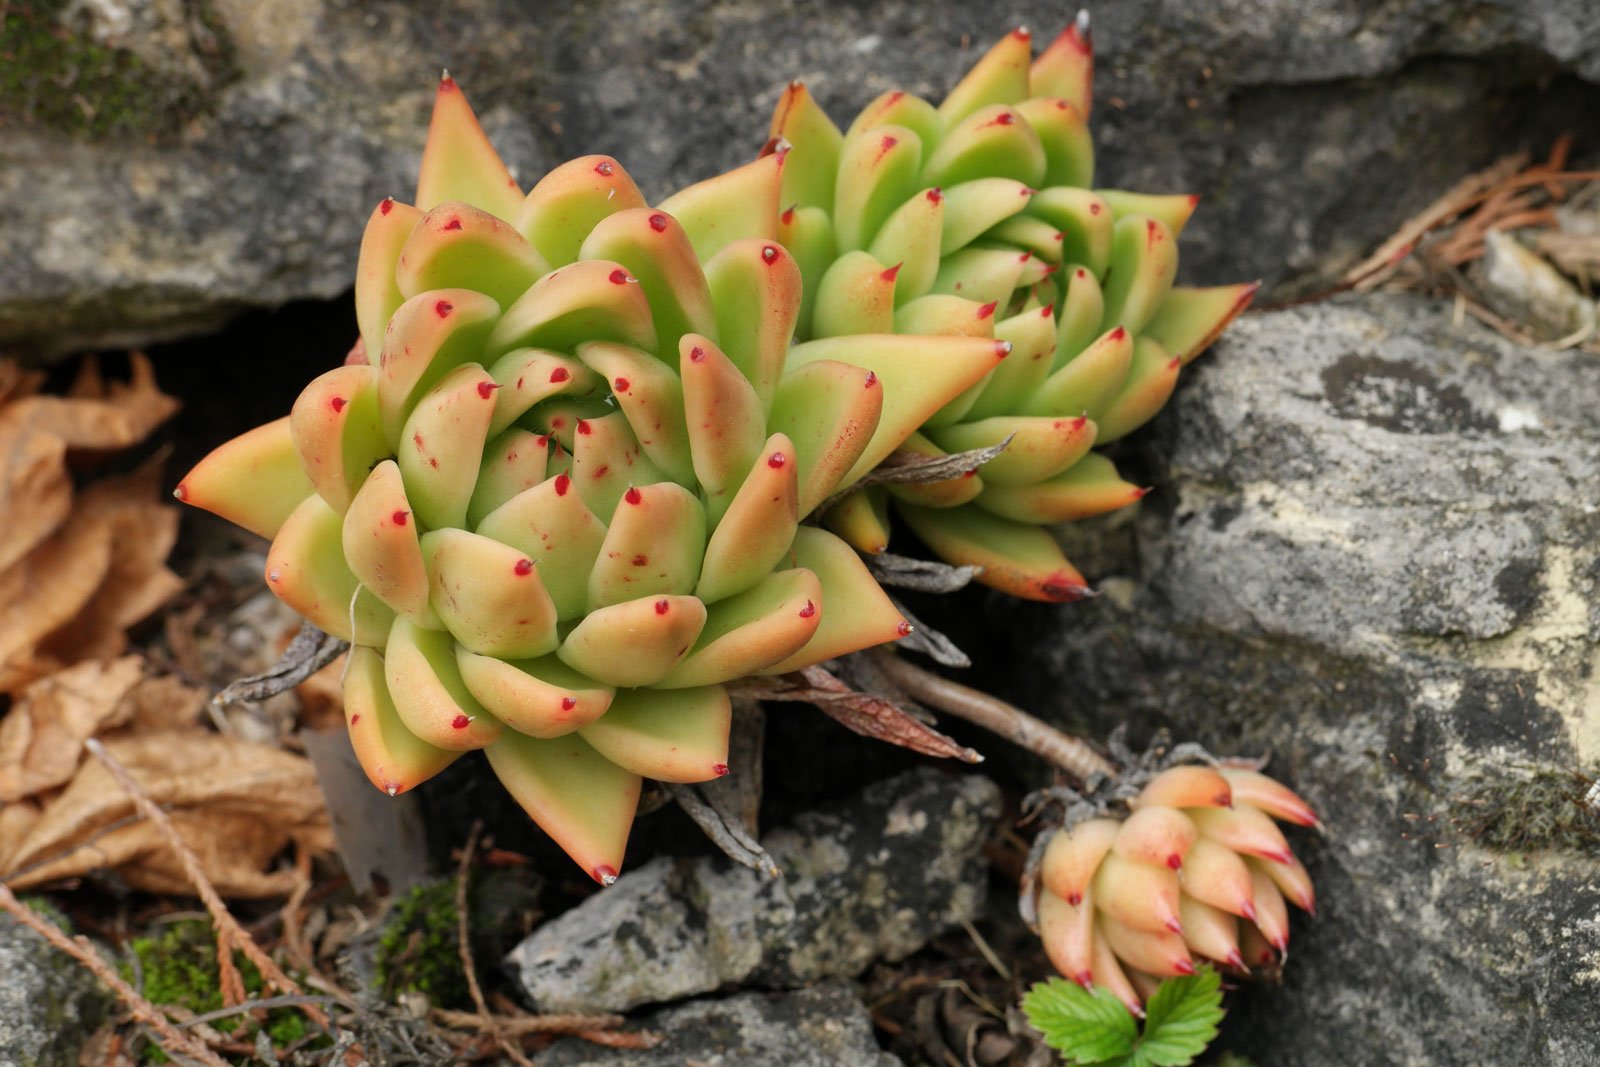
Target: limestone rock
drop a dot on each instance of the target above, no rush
(875, 878)
(48, 1004)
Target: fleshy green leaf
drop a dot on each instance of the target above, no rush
(1085, 1027)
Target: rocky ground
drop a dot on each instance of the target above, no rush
(1371, 552)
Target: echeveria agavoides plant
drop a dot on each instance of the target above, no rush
(977, 218)
(1199, 869)
(553, 500)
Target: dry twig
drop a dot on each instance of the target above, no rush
(228, 928)
(171, 1040)
(1071, 754)
(464, 947)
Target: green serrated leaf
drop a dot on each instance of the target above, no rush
(1180, 1021)
(1085, 1027)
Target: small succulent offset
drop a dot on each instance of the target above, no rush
(1198, 869)
(977, 218)
(553, 498)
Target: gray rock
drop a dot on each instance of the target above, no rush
(48, 1004)
(824, 1026)
(872, 879)
(233, 161)
(1374, 553)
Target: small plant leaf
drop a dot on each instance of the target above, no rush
(1085, 1027)
(1180, 1020)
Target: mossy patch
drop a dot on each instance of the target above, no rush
(420, 950)
(55, 75)
(178, 967)
(1528, 809)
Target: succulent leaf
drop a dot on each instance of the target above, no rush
(394, 759)
(306, 569)
(255, 480)
(337, 433)
(459, 163)
(671, 735)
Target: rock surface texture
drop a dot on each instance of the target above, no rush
(873, 879)
(225, 154)
(824, 1026)
(1375, 553)
(48, 1004)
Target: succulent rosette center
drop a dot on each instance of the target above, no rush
(554, 500)
(978, 218)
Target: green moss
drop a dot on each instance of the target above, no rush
(420, 948)
(178, 967)
(1528, 809)
(53, 74)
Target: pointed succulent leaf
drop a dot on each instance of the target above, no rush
(459, 163)
(911, 240)
(634, 643)
(1088, 383)
(569, 201)
(669, 735)
(750, 631)
(856, 612)
(739, 204)
(857, 295)
(1030, 234)
(992, 142)
(255, 480)
(1000, 77)
(378, 296)
(830, 411)
(878, 171)
(1190, 319)
(395, 759)
(807, 233)
(1040, 447)
(986, 275)
(1016, 558)
(337, 433)
(591, 300)
(379, 536)
(550, 525)
(1064, 136)
(306, 569)
(756, 286)
(1089, 487)
(919, 375)
(861, 519)
(1084, 221)
(539, 697)
(442, 442)
(947, 493)
(650, 396)
(1032, 336)
(653, 546)
(488, 595)
(1144, 260)
(1171, 210)
(458, 246)
(808, 176)
(1066, 68)
(607, 460)
(758, 527)
(1152, 377)
(725, 421)
(512, 462)
(1082, 308)
(430, 335)
(943, 315)
(975, 207)
(580, 798)
(429, 696)
(653, 248)
(899, 108)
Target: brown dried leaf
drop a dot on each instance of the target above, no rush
(237, 804)
(863, 713)
(41, 737)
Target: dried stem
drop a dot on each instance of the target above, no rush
(464, 946)
(172, 1041)
(519, 1025)
(1071, 754)
(228, 928)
